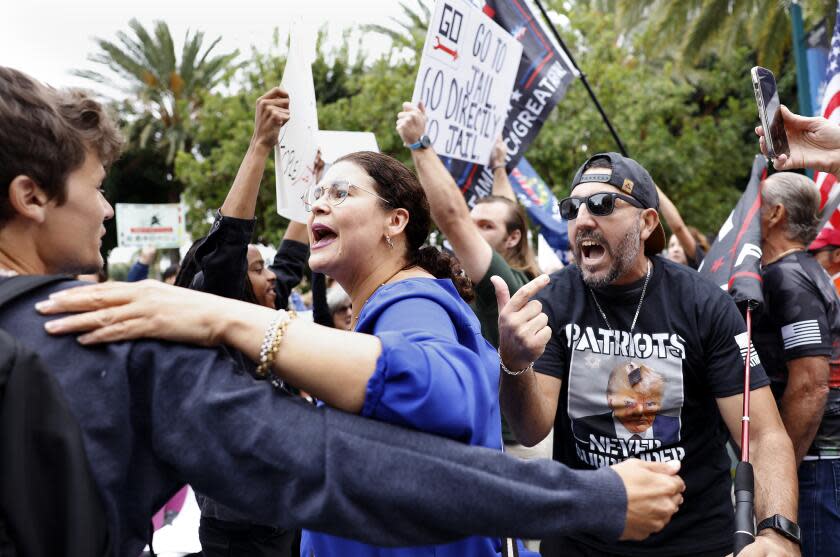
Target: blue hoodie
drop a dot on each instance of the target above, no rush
(441, 377)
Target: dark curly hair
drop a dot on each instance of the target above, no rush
(399, 187)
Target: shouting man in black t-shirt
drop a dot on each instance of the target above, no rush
(677, 342)
(794, 336)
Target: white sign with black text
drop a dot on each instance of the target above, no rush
(466, 78)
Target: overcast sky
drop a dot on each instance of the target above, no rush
(47, 38)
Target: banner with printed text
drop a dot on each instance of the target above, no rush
(542, 207)
(161, 225)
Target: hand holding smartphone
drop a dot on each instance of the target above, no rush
(767, 99)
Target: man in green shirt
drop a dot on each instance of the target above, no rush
(491, 239)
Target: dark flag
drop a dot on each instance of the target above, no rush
(537, 198)
(543, 77)
(734, 260)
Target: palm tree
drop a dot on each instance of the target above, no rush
(701, 27)
(164, 93)
(409, 34)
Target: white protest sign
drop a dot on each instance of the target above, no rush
(336, 144)
(161, 225)
(295, 152)
(466, 79)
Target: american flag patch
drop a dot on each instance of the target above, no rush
(742, 345)
(801, 333)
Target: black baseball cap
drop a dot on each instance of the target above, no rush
(631, 179)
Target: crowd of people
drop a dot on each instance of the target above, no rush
(380, 426)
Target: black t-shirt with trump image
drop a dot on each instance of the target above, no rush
(635, 393)
(650, 393)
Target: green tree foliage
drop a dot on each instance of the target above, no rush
(692, 131)
(693, 29)
(407, 33)
(335, 76)
(164, 97)
(382, 90)
(222, 139)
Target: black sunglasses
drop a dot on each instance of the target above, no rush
(599, 204)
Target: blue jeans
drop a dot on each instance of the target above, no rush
(819, 507)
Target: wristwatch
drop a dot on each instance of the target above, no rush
(421, 143)
(782, 525)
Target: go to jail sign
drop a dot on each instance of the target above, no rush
(465, 80)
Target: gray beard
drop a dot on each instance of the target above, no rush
(628, 251)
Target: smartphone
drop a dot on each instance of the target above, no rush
(767, 99)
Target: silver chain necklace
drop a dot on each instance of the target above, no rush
(638, 309)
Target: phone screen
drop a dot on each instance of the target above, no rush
(775, 128)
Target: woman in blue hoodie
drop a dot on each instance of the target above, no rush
(369, 219)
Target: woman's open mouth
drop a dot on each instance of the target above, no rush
(322, 235)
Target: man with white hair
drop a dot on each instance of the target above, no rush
(795, 335)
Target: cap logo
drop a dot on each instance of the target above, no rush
(627, 186)
(594, 178)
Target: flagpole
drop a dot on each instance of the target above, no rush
(744, 479)
(582, 78)
(803, 83)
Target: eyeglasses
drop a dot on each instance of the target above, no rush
(599, 204)
(336, 193)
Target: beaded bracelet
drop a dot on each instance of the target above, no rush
(272, 339)
(513, 373)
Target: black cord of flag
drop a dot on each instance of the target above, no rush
(582, 78)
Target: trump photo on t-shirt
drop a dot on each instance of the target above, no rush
(626, 402)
